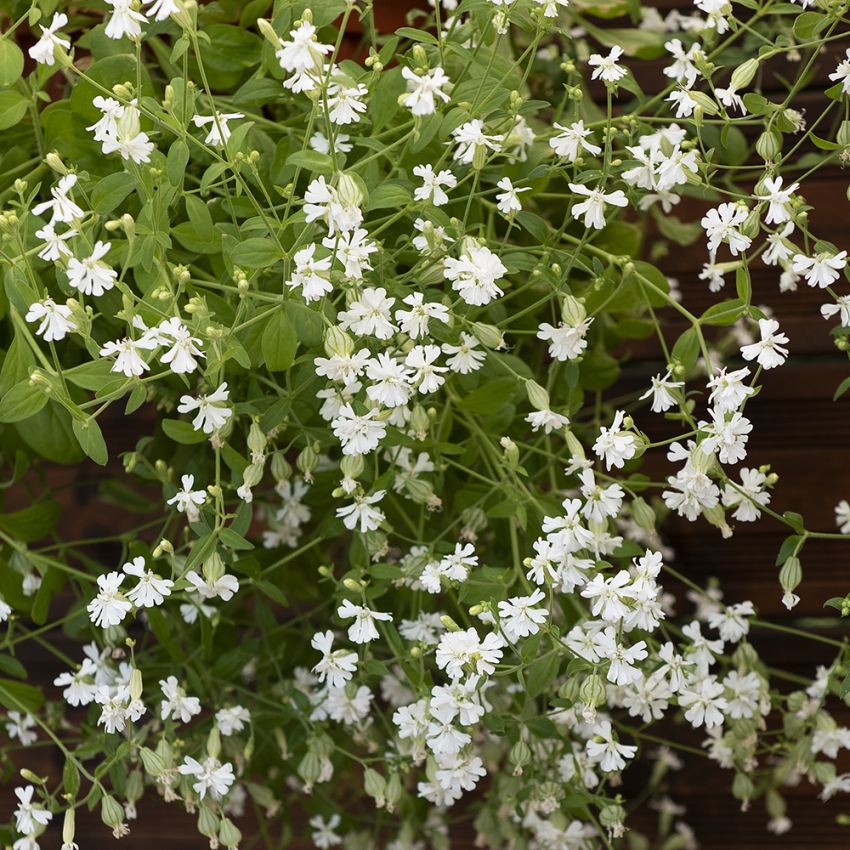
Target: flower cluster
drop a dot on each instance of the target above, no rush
(365, 317)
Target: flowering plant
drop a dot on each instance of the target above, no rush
(369, 314)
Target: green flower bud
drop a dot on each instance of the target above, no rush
(519, 756)
(309, 769)
(537, 396)
(69, 826)
(229, 835)
(643, 514)
(153, 762)
(111, 812)
(742, 787)
(375, 786)
(488, 335)
(207, 822)
(338, 343)
(769, 145)
(743, 75)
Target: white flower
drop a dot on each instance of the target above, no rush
(508, 198)
(336, 666)
(466, 357)
(416, 321)
(390, 385)
(519, 617)
(768, 352)
(842, 73)
(345, 104)
(151, 589)
(820, 270)
(180, 358)
(370, 314)
(683, 69)
(61, 207)
(162, 9)
(728, 389)
(685, 103)
(338, 211)
(614, 444)
(232, 719)
(19, 726)
(721, 225)
(29, 815)
(703, 699)
(730, 621)
(550, 7)
(611, 755)
(92, 276)
(352, 248)
(842, 516)
(727, 437)
(129, 361)
(188, 500)
(319, 142)
(44, 50)
(609, 595)
(312, 275)
(593, 209)
(323, 834)
(363, 629)
(606, 67)
(573, 139)
(358, 434)
(212, 412)
(124, 20)
(474, 274)
(176, 704)
(660, 392)
(110, 606)
(219, 132)
(432, 184)
(55, 319)
(423, 89)
(778, 199)
(754, 495)
(54, 247)
(303, 51)
(128, 139)
(106, 127)
(548, 420)
(463, 651)
(471, 139)
(425, 374)
(212, 776)
(222, 588)
(361, 514)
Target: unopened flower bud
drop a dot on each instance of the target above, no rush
(338, 343)
(743, 75)
(488, 335)
(537, 395)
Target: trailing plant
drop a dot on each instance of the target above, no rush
(393, 527)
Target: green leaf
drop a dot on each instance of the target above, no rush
(11, 62)
(490, 398)
(541, 672)
(279, 342)
(256, 253)
(12, 667)
(91, 441)
(31, 523)
(13, 107)
(724, 313)
(307, 321)
(70, 778)
(178, 158)
(18, 696)
(111, 191)
(234, 540)
(416, 35)
(743, 286)
(686, 349)
(313, 161)
(22, 401)
(390, 195)
(182, 432)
